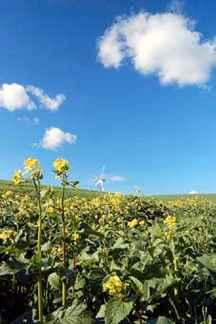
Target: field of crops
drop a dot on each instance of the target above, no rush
(103, 259)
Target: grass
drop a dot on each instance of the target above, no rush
(210, 196)
(7, 185)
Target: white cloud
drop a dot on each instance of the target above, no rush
(164, 44)
(54, 138)
(36, 121)
(46, 101)
(116, 178)
(15, 96)
(193, 192)
(28, 120)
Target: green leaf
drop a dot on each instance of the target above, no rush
(208, 261)
(89, 231)
(76, 314)
(79, 283)
(101, 312)
(46, 246)
(140, 288)
(119, 244)
(161, 320)
(11, 267)
(6, 270)
(54, 280)
(117, 310)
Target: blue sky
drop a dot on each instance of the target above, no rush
(157, 135)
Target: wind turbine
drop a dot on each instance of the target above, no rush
(100, 180)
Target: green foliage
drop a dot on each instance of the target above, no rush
(164, 271)
(116, 311)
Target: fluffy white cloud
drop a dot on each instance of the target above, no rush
(54, 138)
(164, 44)
(46, 101)
(15, 96)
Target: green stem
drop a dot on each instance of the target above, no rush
(40, 287)
(64, 288)
(64, 293)
(40, 299)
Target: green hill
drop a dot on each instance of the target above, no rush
(7, 185)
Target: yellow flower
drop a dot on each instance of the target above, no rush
(17, 177)
(57, 251)
(50, 210)
(133, 223)
(6, 234)
(30, 164)
(76, 237)
(170, 221)
(114, 286)
(142, 222)
(169, 235)
(7, 195)
(61, 166)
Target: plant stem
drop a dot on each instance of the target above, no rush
(40, 299)
(64, 288)
(40, 287)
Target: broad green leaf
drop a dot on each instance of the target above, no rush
(140, 288)
(117, 310)
(6, 270)
(120, 244)
(11, 267)
(161, 320)
(101, 312)
(76, 314)
(208, 261)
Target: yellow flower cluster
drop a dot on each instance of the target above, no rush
(188, 202)
(76, 237)
(6, 234)
(31, 164)
(50, 210)
(169, 235)
(17, 178)
(7, 195)
(61, 166)
(57, 251)
(114, 286)
(133, 223)
(170, 221)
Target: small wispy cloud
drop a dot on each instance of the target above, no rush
(28, 120)
(46, 101)
(193, 192)
(176, 6)
(16, 96)
(116, 178)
